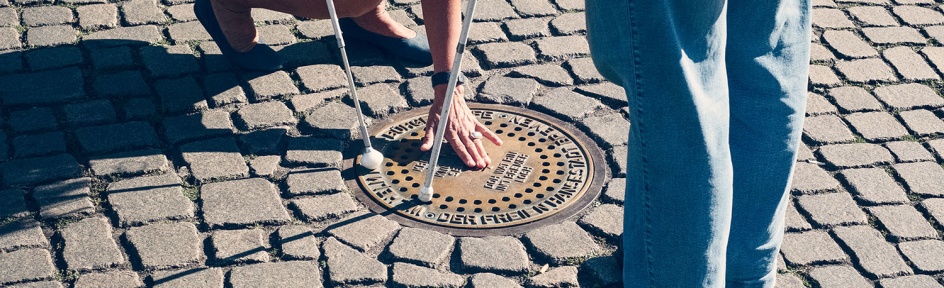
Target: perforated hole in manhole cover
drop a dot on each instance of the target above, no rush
(545, 171)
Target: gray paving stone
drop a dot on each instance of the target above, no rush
(508, 91)
(831, 18)
(314, 152)
(839, 276)
(609, 93)
(817, 105)
(111, 58)
(832, 209)
(615, 190)
(32, 88)
(265, 115)
(64, 199)
(23, 265)
(916, 15)
(562, 243)
(605, 270)
(813, 247)
(223, 89)
(922, 178)
(132, 85)
(23, 233)
(618, 155)
(109, 279)
(937, 146)
(9, 39)
(9, 17)
(420, 246)
(875, 186)
(795, 221)
(166, 245)
(569, 23)
(379, 100)
(322, 77)
(909, 64)
(610, 129)
(97, 16)
(854, 99)
(242, 202)
(809, 178)
(584, 70)
(367, 75)
(89, 245)
(113, 137)
(280, 274)
(320, 208)
(894, 35)
(308, 182)
(494, 10)
(12, 204)
(308, 53)
(409, 275)
(489, 280)
(547, 74)
(129, 163)
(42, 284)
(789, 281)
(818, 52)
(871, 252)
(911, 281)
(903, 222)
(486, 32)
(31, 171)
(528, 8)
(187, 31)
(181, 95)
(922, 122)
(568, 104)
(866, 71)
(804, 153)
(308, 102)
(55, 57)
(558, 277)
(877, 126)
(315, 28)
(51, 35)
(240, 246)
(364, 231)
(827, 129)
(39, 144)
(136, 35)
(520, 29)
(10, 61)
(198, 126)
(47, 15)
(823, 75)
(873, 15)
(33, 119)
(140, 12)
(182, 12)
(265, 166)
(213, 59)
(89, 113)
(493, 254)
(936, 32)
(923, 254)
(298, 242)
(148, 199)
(272, 85)
(262, 142)
(935, 207)
(500, 55)
(558, 48)
(187, 278)
(855, 155)
(347, 266)
(419, 92)
(605, 220)
(908, 151)
(214, 159)
(570, 5)
(275, 35)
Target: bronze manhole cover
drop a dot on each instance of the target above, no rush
(545, 171)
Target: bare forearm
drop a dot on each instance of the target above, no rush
(443, 19)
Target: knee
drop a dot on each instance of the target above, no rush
(356, 8)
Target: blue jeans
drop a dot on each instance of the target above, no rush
(717, 97)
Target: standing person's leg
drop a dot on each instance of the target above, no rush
(768, 60)
(669, 56)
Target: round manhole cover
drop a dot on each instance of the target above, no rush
(546, 170)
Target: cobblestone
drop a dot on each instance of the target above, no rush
(493, 254)
(64, 199)
(903, 222)
(871, 252)
(129, 163)
(51, 36)
(23, 233)
(854, 99)
(297, 242)
(827, 129)
(38, 144)
(822, 75)
(584, 70)
(831, 18)
(855, 155)
(569, 23)
(276, 35)
(908, 151)
(615, 190)
(485, 32)
(876, 126)
(223, 89)
(256, 202)
(873, 15)
(23, 265)
(605, 220)
(347, 266)
(508, 91)
(935, 207)
(817, 105)
(30, 88)
(89, 113)
(12, 204)
(115, 137)
(88, 245)
(265, 115)
(133, 85)
(140, 12)
(314, 151)
(907, 96)
(916, 15)
(409, 275)
(240, 246)
(500, 55)
(558, 277)
(813, 247)
(322, 77)
(33, 119)
(874, 186)
(922, 254)
(55, 57)
(181, 95)
(264, 166)
(315, 182)
(922, 122)
(166, 245)
(137, 35)
(565, 102)
(367, 75)
(9, 39)
(547, 74)
(47, 15)
(605, 270)
(139, 109)
(380, 100)
(186, 278)
(424, 247)
(894, 35)
(198, 126)
(866, 70)
(187, 31)
(832, 209)
(30, 171)
(364, 231)
(922, 178)
(97, 16)
(214, 159)
(489, 280)
(263, 142)
(182, 12)
(148, 199)
(109, 279)
(911, 281)
(280, 274)
(521, 29)
(272, 85)
(839, 276)
(909, 64)
(848, 44)
(320, 208)
(809, 178)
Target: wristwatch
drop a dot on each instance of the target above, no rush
(443, 78)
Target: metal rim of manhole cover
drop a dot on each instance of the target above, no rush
(545, 171)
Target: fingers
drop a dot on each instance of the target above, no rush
(483, 154)
(428, 138)
(488, 134)
(472, 146)
(460, 148)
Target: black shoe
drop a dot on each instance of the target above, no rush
(414, 49)
(260, 58)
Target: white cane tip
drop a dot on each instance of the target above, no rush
(426, 194)
(371, 159)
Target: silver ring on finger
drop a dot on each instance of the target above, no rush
(475, 135)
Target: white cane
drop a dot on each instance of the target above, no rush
(426, 192)
(370, 159)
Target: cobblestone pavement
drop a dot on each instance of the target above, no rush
(132, 154)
